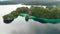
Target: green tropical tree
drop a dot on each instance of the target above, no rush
(8, 17)
(39, 11)
(15, 13)
(55, 12)
(23, 9)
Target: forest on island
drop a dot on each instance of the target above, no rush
(41, 12)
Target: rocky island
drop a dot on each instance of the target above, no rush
(41, 14)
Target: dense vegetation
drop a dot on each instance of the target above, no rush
(15, 13)
(8, 16)
(41, 12)
(22, 10)
(53, 13)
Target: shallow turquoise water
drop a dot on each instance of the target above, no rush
(42, 20)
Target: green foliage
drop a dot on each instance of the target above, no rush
(55, 12)
(5, 17)
(40, 12)
(15, 13)
(22, 9)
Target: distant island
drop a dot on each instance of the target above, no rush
(31, 2)
(57, 3)
(8, 2)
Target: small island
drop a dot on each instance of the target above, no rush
(41, 14)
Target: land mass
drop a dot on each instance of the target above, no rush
(25, 2)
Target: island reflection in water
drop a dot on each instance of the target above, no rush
(20, 26)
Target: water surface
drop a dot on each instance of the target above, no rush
(20, 26)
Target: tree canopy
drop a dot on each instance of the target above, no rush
(40, 12)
